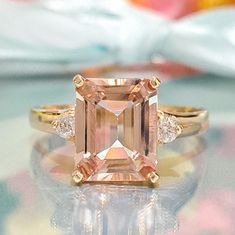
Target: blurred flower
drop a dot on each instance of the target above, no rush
(175, 9)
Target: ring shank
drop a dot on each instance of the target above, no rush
(192, 120)
(42, 118)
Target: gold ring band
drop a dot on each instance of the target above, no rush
(43, 118)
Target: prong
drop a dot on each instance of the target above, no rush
(160, 114)
(155, 82)
(179, 129)
(153, 177)
(78, 80)
(77, 176)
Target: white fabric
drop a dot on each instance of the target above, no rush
(57, 36)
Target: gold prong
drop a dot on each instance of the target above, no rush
(78, 80)
(155, 82)
(153, 177)
(179, 129)
(160, 114)
(77, 176)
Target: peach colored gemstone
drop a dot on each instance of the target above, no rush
(116, 129)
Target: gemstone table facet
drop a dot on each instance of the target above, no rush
(116, 129)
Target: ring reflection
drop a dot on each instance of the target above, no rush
(112, 209)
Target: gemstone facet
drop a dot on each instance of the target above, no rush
(115, 129)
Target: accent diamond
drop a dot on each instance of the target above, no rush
(65, 126)
(168, 129)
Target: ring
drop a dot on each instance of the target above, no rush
(116, 126)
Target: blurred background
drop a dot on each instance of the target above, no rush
(188, 44)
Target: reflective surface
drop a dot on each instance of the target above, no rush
(112, 209)
(196, 194)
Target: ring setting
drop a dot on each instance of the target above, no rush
(116, 126)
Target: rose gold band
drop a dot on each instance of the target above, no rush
(191, 120)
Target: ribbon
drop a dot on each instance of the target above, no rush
(55, 36)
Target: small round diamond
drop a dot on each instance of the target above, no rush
(168, 129)
(65, 126)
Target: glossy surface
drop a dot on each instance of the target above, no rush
(110, 209)
(196, 197)
(116, 129)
